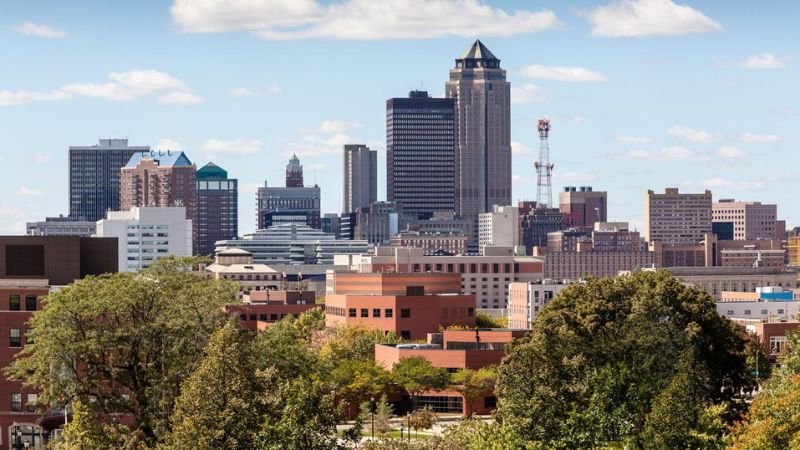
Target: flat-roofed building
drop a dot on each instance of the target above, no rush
(499, 227)
(526, 300)
(676, 217)
(582, 206)
(578, 265)
(452, 242)
(61, 226)
(408, 304)
(751, 220)
(715, 280)
(262, 309)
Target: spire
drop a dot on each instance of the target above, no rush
(478, 51)
(294, 172)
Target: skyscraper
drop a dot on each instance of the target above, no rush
(158, 179)
(290, 204)
(94, 177)
(420, 153)
(360, 177)
(483, 119)
(217, 208)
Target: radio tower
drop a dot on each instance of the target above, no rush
(544, 170)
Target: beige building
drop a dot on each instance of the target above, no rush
(715, 280)
(525, 300)
(431, 241)
(578, 265)
(237, 265)
(499, 227)
(711, 252)
(675, 217)
(751, 220)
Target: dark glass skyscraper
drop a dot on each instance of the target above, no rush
(94, 173)
(420, 153)
(217, 216)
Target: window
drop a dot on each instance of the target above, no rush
(388, 312)
(15, 338)
(16, 402)
(351, 312)
(273, 317)
(262, 317)
(364, 312)
(746, 312)
(13, 303)
(490, 402)
(252, 317)
(470, 312)
(30, 405)
(376, 312)
(405, 313)
(405, 334)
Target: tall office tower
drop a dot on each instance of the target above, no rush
(360, 177)
(217, 208)
(483, 144)
(290, 204)
(294, 173)
(94, 177)
(420, 153)
(751, 220)
(677, 218)
(159, 179)
(583, 207)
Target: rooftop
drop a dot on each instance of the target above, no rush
(478, 51)
(163, 159)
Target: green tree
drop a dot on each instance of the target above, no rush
(473, 384)
(483, 320)
(602, 354)
(417, 375)
(383, 415)
(757, 362)
(356, 380)
(125, 340)
(86, 432)
(352, 342)
(219, 405)
(423, 419)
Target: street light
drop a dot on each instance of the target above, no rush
(18, 434)
(372, 413)
(408, 416)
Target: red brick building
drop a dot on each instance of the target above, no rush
(409, 304)
(263, 308)
(158, 179)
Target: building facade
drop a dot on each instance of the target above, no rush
(420, 153)
(751, 220)
(583, 207)
(61, 226)
(482, 99)
(94, 177)
(454, 243)
(288, 205)
(675, 217)
(380, 221)
(715, 280)
(294, 172)
(499, 227)
(360, 177)
(146, 234)
(525, 300)
(579, 265)
(217, 208)
(159, 179)
(537, 223)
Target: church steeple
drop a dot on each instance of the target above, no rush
(294, 172)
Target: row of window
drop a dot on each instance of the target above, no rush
(30, 405)
(263, 317)
(15, 302)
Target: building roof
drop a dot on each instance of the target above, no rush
(240, 268)
(211, 171)
(234, 252)
(477, 51)
(163, 159)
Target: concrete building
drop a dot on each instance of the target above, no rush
(290, 204)
(751, 220)
(579, 265)
(583, 207)
(408, 304)
(379, 221)
(61, 226)
(237, 265)
(766, 304)
(677, 218)
(525, 300)
(94, 177)
(420, 153)
(360, 177)
(711, 252)
(499, 227)
(482, 99)
(715, 280)
(454, 243)
(217, 208)
(448, 222)
(293, 244)
(485, 276)
(145, 234)
(159, 179)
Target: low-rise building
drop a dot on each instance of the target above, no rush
(579, 265)
(525, 300)
(452, 242)
(261, 309)
(715, 280)
(769, 304)
(408, 304)
(61, 226)
(773, 336)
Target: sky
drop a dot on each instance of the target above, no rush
(641, 94)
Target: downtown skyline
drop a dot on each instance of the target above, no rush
(707, 104)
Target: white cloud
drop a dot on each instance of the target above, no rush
(41, 158)
(28, 192)
(338, 126)
(690, 134)
(243, 92)
(718, 182)
(122, 86)
(730, 152)
(274, 89)
(165, 144)
(526, 93)
(518, 148)
(180, 98)
(764, 61)
(358, 19)
(562, 73)
(572, 177)
(755, 137)
(645, 18)
(633, 139)
(328, 139)
(33, 29)
(672, 153)
(234, 147)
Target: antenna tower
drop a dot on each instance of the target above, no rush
(544, 170)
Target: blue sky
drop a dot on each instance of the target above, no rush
(642, 94)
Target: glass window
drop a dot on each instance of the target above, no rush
(16, 402)
(15, 338)
(376, 312)
(30, 303)
(364, 312)
(30, 405)
(351, 312)
(388, 312)
(13, 303)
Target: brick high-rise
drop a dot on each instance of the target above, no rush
(162, 178)
(677, 218)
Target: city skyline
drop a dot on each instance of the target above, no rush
(701, 100)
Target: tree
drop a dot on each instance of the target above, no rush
(417, 375)
(422, 419)
(352, 342)
(603, 355)
(757, 362)
(473, 384)
(126, 341)
(220, 403)
(356, 380)
(382, 415)
(483, 320)
(86, 432)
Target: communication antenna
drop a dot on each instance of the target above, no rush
(544, 170)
